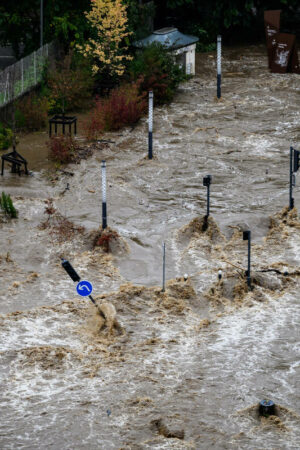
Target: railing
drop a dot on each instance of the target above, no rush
(22, 76)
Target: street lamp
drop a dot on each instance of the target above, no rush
(41, 22)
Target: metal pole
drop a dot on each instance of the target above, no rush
(219, 44)
(42, 20)
(150, 125)
(249, 261)
(291, 200)
(164, 268)
(104, 210)
(208, 192)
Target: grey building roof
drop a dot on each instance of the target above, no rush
(169, 37)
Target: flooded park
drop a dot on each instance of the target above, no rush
(187, 366)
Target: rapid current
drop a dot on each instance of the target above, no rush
(191, 364)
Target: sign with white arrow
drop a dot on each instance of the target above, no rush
(84, 288)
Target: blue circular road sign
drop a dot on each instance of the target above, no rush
(84, 288)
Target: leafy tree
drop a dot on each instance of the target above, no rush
(20, 23)
(108, 20)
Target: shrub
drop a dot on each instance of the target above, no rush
(159, 72)
(32, 112)
(6, 136)
(62, 148)
(7, 206)
(70, 84)
(104, 238)
(124, 106)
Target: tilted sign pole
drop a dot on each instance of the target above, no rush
(76, 278)
(247, 237)
(219, 44)
(104, 209)
(150, 125)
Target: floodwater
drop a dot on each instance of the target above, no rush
(191, 364)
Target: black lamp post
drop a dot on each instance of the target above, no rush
(42, 22)
(207, 182)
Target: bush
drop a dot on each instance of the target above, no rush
(6, 135)
(70, 84)
(124, 106)
(159, 72)
(62, 148)
(32, 113)
(7, 206)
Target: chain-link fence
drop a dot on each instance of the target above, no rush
(22, 76)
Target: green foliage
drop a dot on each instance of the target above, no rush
(140, 18)
(7, 206)
(6, 135)
(32, 112)
(70, 84)
(159, 72)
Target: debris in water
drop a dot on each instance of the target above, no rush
(164, 430)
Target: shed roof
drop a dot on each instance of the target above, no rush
(169, 37)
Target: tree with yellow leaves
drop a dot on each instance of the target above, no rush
(108, 20)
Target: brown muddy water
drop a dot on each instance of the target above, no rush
(186, 368)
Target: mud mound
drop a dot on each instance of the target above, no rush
(197, 228)
(159, 426)
(47, 357)
(137, 298)
(232, 288)
(281, 222)
(107, 317)
(109, 241)
(282, 415)
(179, 288)
(268, 281)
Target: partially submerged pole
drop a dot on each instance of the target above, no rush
(164, 268)
(76, 278)
(207, 182)
(294, 166)
(247, 237)
(104, 208)
(219, 46)
(150, 125)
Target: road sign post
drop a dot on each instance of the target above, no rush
(83, 288)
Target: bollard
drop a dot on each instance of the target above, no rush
(266, 408)
(104, 209)
(150, 125)
(164, 268)
(247, 237)
(219, 45)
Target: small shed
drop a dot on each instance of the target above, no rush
(183, 46)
